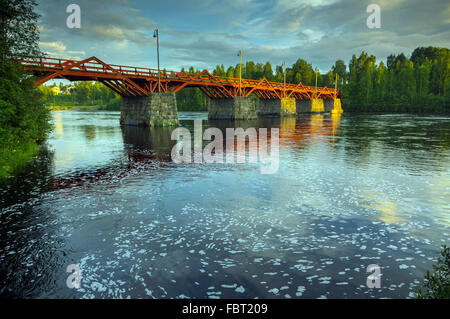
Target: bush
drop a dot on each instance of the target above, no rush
(437, 284)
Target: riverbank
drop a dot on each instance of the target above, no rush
(82, 108)
(15, 156)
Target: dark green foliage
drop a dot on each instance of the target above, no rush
(420, 54)
(24, 121)
(191, 99)
(437, 283)
(19, 35)
(418, 85)
(113, 105)
(85, 93)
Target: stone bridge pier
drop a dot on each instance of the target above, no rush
(238, 108)
(157, 109)
(319, 106)
(277, 107)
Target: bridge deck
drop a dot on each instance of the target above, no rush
(138, 81)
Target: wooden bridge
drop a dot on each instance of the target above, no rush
(137, 81)
(148, 95)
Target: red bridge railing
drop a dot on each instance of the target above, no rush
(139, 81)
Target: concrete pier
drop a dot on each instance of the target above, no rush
(328, 105)
(238, 108)
(276, 107)
(157, 109)
(303, 106)
(337, 107)
(319, 106)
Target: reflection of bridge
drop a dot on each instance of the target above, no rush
(134, 82)
(148, 150)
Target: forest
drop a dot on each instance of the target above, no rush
(418, 84)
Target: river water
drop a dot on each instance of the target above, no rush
(350, 191)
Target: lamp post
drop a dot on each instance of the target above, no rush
(315, 93)
(156, 35)
(240, 71)
(336, 82)
(284, 80)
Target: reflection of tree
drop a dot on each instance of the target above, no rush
(154, 142)
(30, 181)
(410, 137)
(21, 197)
(89, 132)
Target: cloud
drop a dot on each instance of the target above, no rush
(204, 33)
(56, 47)
(59, 50)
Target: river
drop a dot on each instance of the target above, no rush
(350, 191)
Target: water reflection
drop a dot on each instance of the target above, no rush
(154, 142)
(351, 190)
(89, 132)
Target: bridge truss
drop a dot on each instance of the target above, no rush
(137, 81)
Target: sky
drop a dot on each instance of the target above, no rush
(204, 33)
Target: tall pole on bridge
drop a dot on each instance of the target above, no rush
(284, 81)
(156, 35)
(240, 71)
(315, 93)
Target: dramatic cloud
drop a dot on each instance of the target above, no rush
(204, 33)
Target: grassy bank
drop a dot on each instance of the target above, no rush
(14, 156)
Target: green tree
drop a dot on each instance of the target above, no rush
(341, 69)
(268, 73)
(24, 120)
(406, 81)
(237, 71)
(381, 82)
(440, 73)
(328, 79)
(230, 72)
(420, 54)
(437, 283)
(422, 74)
(279, 73)
(250, 71)
(306, 74)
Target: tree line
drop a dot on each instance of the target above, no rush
(83, 93)
(418, 84)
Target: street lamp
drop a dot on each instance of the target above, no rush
(240, 71)
(156, 35)
(284, 80)
(317, 70)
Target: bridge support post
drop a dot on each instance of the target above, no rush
(277, 107)
(319, 106)
(328, 105)
(238, 108)
(304, 106)
(337, 107)
(157, 109)
(311, 106)
(332, 106)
